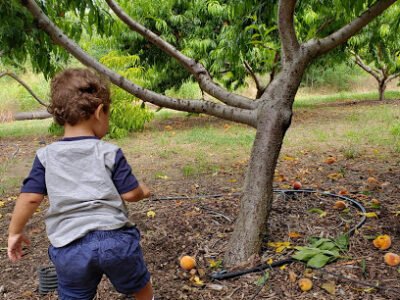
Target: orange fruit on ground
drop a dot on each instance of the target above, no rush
(339, 205)
(382, 242)
(305, 284)
(187, 262)
(392, 259)
(297, 185)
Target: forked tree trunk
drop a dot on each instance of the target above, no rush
(273, 120)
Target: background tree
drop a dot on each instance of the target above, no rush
(377, 49)
(300, 43)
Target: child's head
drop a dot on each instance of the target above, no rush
(76, 94)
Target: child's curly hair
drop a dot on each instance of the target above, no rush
(75, 94)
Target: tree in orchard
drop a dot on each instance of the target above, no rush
(306, 30)
(377, 49)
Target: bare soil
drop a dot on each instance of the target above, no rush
(201, 227)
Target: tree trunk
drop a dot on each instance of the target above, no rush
(382, 88)
(273, 120)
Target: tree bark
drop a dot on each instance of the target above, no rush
(32, 115)
(274, 119)
(382, 88)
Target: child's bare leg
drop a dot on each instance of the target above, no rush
(145, 293)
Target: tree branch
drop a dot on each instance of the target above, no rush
(13, 76)
(322, 46)
(197, 106)
(287, 32)
(365, 67)
(259, 86)
(393, 76)
(194, 67)
(326, 23)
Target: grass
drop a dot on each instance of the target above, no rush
(15, 98)
(350, 130)
(311, 101)
(25, 128)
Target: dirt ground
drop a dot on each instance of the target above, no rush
(201, 227)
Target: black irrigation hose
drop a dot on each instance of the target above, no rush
(355, 203)
(225, 275)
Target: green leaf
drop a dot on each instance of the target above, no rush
(260, 281)
(320, 211)
(319, 242)
(342, 241)
(363, 267)
(318, 261)
(327, 246)
(306, 253)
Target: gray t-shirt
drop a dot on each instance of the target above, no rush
(81, 191)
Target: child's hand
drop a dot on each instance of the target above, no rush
(15, 240)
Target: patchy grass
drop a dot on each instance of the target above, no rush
(309, 101)
(350, 130)
(25, 128)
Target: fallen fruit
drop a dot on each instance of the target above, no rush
(392, 259)
(187, 262)
(305, 284)
(339, 205)
(330, 160)
(297, 185)
(371, 180)
(382, 242)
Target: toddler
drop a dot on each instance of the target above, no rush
(87, 181)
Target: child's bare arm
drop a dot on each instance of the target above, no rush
(141, 192)
(26, 205)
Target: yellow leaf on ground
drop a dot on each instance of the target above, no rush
(196, 280)
(151, 214)
(285, 186)
(369, 215)
(294, 234)
(288, 157)
(278, 244)
(330, 287)
(269, 261)
(280, 249)
(283, 267)
(335, 176)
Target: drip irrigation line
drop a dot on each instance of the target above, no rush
(192, 197)
(359, 282)
(288, 192)
(353, 202)
(224, 275)
(264, 282)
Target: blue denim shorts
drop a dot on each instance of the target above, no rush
(81, 264)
